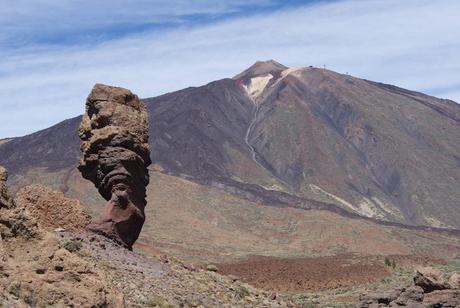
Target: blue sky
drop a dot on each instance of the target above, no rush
(53, 51)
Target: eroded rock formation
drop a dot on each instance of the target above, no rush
(114, 134)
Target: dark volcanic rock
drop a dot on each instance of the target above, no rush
(114, 134)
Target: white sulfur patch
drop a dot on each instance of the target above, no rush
(257, 85)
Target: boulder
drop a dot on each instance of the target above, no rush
(454, 281)
(410, 296)
(430, 279)
(442, 298)
(114, 135)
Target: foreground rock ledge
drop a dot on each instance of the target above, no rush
(114, 134)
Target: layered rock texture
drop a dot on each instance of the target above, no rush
(114, 134)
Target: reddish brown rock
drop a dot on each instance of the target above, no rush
(51, 209)
(114, 134)
(430, 279)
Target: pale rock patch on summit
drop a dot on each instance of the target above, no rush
(257, 85)
(296, 71)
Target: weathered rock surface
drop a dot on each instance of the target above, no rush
(454, 281)
(114, 134)
(4, 196)
(51, 209)
(14, 222)
(430, 279)
(443, 298)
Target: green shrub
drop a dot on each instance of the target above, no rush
(72, 246)
(387, 261)
(158, 301)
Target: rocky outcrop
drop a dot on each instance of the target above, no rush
(430, 279)
(4, 196)
(454, 281)
(114, 134)
(51, 209)
(430, 289)
(14, 221)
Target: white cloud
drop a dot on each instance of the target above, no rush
(410, 43)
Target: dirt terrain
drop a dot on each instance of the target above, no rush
(302, 274)
(41, 268)
(318, 273)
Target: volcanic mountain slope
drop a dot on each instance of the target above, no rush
(370, 148)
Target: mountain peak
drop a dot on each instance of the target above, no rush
(262, 68)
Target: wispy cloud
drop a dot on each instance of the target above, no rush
(52, 21)
(410, 43)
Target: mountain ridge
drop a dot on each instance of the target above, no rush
(310, 132)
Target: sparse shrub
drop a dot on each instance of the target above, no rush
(15, 289)
(393, 264)
(242, 292)
(387, 261)
(158, 301)
(72, 246)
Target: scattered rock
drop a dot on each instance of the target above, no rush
(189, 266)
(410, 296)
(442, 298)
(212, 268)
(114, 134)
(454, 281)
(233, 278)
(429, 279)
(429, 290)
(373, 299)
